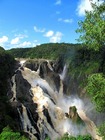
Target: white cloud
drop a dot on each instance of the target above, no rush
(22, 45)
(54, 37)
(3, 40)
(17, 38)
(66, 20)
(49, 33)
(15, 41)
(35, 43)
(25, 44)
(39, 30)
(58, 2)
(85, 5)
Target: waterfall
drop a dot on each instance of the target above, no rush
(49, 65)
(45, 110)
(26, 124)
(13, 89)
(63, 74)
(22, 62)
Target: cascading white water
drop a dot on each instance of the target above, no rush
(63, 74)
(34, 79)
(48, 63)
(22, 62)
(51, 108)
(26, 124)
(13, 89)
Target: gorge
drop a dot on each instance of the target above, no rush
(44, 103)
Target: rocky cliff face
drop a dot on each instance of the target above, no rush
(38, 95)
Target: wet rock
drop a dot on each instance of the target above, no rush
(22, 89)
(32, 64)
(47, 70)
(73, 114)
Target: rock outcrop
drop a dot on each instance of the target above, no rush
(38, 96)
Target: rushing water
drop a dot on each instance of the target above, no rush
(52, 105)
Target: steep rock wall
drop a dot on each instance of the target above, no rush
(38, 94)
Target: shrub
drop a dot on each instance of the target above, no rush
(8, 134)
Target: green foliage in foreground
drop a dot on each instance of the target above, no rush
(93, 27)
(102, 130)
(79, 137)
(96, 89)
(8, 134)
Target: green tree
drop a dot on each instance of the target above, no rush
(85, 137)
(96, 88)
(102, 130)
(1, 49)
(8, 134)
(79, 137)
(92, 29)
(68, 137)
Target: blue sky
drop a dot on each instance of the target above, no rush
(27, 23)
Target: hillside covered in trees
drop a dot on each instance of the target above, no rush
(45, 51)
(86, 63)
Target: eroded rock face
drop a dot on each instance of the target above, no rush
(46, 71)
(32, 64)
(73, 115)
(37, 95)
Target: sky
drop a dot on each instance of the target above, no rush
(28, 23)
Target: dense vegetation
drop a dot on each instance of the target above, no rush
(6, 70)
(19, 52)
(7, 63)
(79, 137)
(8, 134)
(47, 51)
(92, 29)
(92, 35)
(86, 62)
